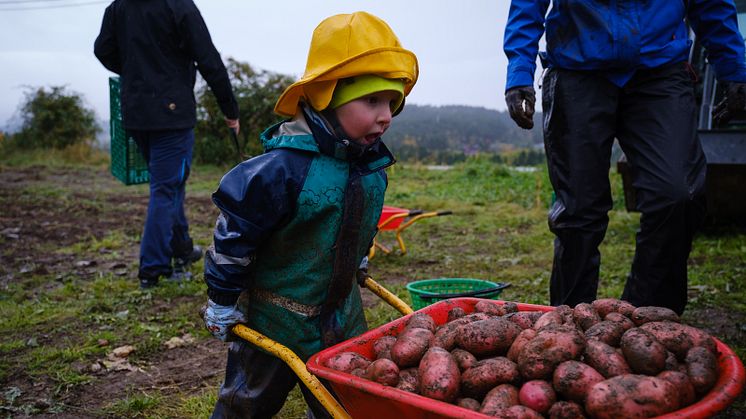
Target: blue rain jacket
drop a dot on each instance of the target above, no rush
(620, 36)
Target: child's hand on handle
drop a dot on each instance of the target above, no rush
(220, 319)
(233, 124)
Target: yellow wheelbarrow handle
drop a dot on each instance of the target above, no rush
(298, 366)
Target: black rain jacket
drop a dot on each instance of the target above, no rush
(156, 46)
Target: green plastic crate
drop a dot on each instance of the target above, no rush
(127, 164)
(429, 291)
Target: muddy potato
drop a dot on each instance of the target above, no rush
(510, 307)
(566, 410)
(486, 374)
(410, 346)
(683, 384)
(489, 307)
(455, 313)
(409, 380)
(487, 337)
(631, 396)
(499, 398)
(468, 403)
(702, 368)
(679, 338)
(560, 315)
(541, 355)
(520, 412)
(573, 379)
(382, 346)
(445, 335)
(605, 359)
(520, 341)
(524, 319)
(347, 361)
(605, 306)
(585, 316)
(421, 320)
(538, 395)
(643, 353)
(439, 375)
(625, 321)
(648, 314)
(383, 371)
(607, 332)
(464, 359)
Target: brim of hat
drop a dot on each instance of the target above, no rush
(317, 88)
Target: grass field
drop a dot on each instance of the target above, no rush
(69, 299)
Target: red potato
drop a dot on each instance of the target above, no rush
(702, 368)
(409, 380)
(566, 410)
(631, 396)
(468, 403)
(382, 346)
(383, 371)
(625, 321)
(648, 314)
(573, 379)
(520, 341)
(489, 307)
(464, 359)
(585, 316)
(421, 320)
(560, 315)
(499, 398)
(538, 395)
(684, 385)
(455, 313)
(439, 375)
(520, 412)
(643, 353)
(605, 306)
(605, 359)
(348, 361)
(486, 374)
(410, 346)
(607, 332)
(445, 335)
(673, 364)
(524, 319)
(510, 307)
(487, 337)
(679, 338)
(541, 355)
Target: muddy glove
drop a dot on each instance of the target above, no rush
(523, 115)
(362, 272)
(733, 105)
(220, 319)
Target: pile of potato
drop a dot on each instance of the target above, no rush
(602, 360)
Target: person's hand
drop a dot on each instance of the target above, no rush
(734, 104)
(233, 124)
(362, 272)
(522, 114)
(220, 319)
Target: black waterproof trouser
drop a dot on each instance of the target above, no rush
(653, 117)
(257, 384)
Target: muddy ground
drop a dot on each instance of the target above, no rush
(81, 204)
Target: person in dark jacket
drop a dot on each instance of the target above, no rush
(156, 46)
(296, 222)
(619, 70)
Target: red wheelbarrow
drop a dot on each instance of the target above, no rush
(397, 220)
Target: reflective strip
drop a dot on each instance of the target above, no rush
(286, 303)
(221, 259)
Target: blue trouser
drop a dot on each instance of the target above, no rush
(654, 119)
(166, 234)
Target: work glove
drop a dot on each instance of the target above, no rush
(220, 319)
(522, 114)
(733, 105)
(362, 272)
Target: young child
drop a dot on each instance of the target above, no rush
(297, 221)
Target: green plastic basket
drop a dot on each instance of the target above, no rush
(429, 291)
(127, 164)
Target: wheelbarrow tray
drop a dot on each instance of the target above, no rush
(367, 399)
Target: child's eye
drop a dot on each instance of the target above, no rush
(373, 100)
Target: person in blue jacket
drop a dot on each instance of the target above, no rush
(297, 221)
(618, 69)
(157, 46)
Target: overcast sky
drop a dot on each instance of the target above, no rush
(458, 44)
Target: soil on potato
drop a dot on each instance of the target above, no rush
(81, 204)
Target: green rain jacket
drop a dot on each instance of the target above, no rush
(276, 241)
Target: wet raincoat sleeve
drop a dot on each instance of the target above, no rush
(197, 40)
(105, 47)
(254, 198)
(521, 45)
(716, 25)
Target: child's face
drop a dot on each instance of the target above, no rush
(368, 117)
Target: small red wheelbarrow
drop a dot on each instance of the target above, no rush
(398, 220)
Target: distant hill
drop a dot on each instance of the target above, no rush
(428, 130)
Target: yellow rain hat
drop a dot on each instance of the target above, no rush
(343, 46)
